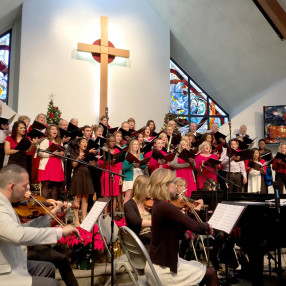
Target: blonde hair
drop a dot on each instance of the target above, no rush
(96, 127)
(180, 145)
(158, 184)
(181, 182)
(136, 154)
(161, 137)
(201, 147)
(140, 190)
(279, 148)
(37, 117)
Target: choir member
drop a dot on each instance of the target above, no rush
(173, 124)
(137, 217)
(131, 170)
(103, 121)
(152, 126)
(131, 122)
(19, 133)
(119, 139)
(105, 175)
(98, 131)
(236, 169)
(242, 132)
(4, 132)
(51, 169)
(74, 121)
(125, 125)
(193, 128)
(147, 134)
(267, 155)
(63, 124)
(81, 184)
(154, 164)
(41, 118)
(164, 138)
(184, 170)
(205, 153)
(256, 183)
(35, 160)
(86, 132)
(95, 173)
(26, 120)
(279, 166)
(166, 221)
(140, 139)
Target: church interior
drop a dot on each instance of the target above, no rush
(211, 62)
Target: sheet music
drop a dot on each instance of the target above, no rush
(226, 216)
(94, 214)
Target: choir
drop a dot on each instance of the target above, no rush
(48, 168)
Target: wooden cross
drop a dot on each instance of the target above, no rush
(107, 52)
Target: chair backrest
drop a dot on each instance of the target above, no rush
(136, 252)
(104, 226)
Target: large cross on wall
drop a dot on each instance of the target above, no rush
(104, 52)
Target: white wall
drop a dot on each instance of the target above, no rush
(138, 87)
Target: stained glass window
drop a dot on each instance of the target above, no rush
(5, 48)
(190, 102)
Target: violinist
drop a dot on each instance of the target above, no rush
(137, 217)
(166, 220)
(15, 267)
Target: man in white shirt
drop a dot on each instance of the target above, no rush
(236, 170)
(15, 269)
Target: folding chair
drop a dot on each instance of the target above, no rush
(138, 256)
(104, 226)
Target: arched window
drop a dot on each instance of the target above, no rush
(190, 102)
(5, 48)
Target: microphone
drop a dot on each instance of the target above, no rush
(277, 197)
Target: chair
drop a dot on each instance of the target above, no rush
(104, 226)
(138, 256)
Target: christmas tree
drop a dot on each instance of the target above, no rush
(53, 113)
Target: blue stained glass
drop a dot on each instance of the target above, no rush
(5, 41)
(188, 100)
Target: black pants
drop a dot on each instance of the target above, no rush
(42, 272)
(280, 178)
(235, 178)
(46, 253)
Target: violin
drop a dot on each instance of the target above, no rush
(34, 208)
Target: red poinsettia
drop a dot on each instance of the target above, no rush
(51, 115)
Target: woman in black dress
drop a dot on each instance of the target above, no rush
(81, 184)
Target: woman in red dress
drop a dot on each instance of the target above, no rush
(184, 170)
(19, 133)
(51, 169)
(105, 175)
(205, 153)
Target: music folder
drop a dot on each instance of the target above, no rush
(226, 216)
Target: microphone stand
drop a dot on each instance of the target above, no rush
(227, 189)
(110, 186)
